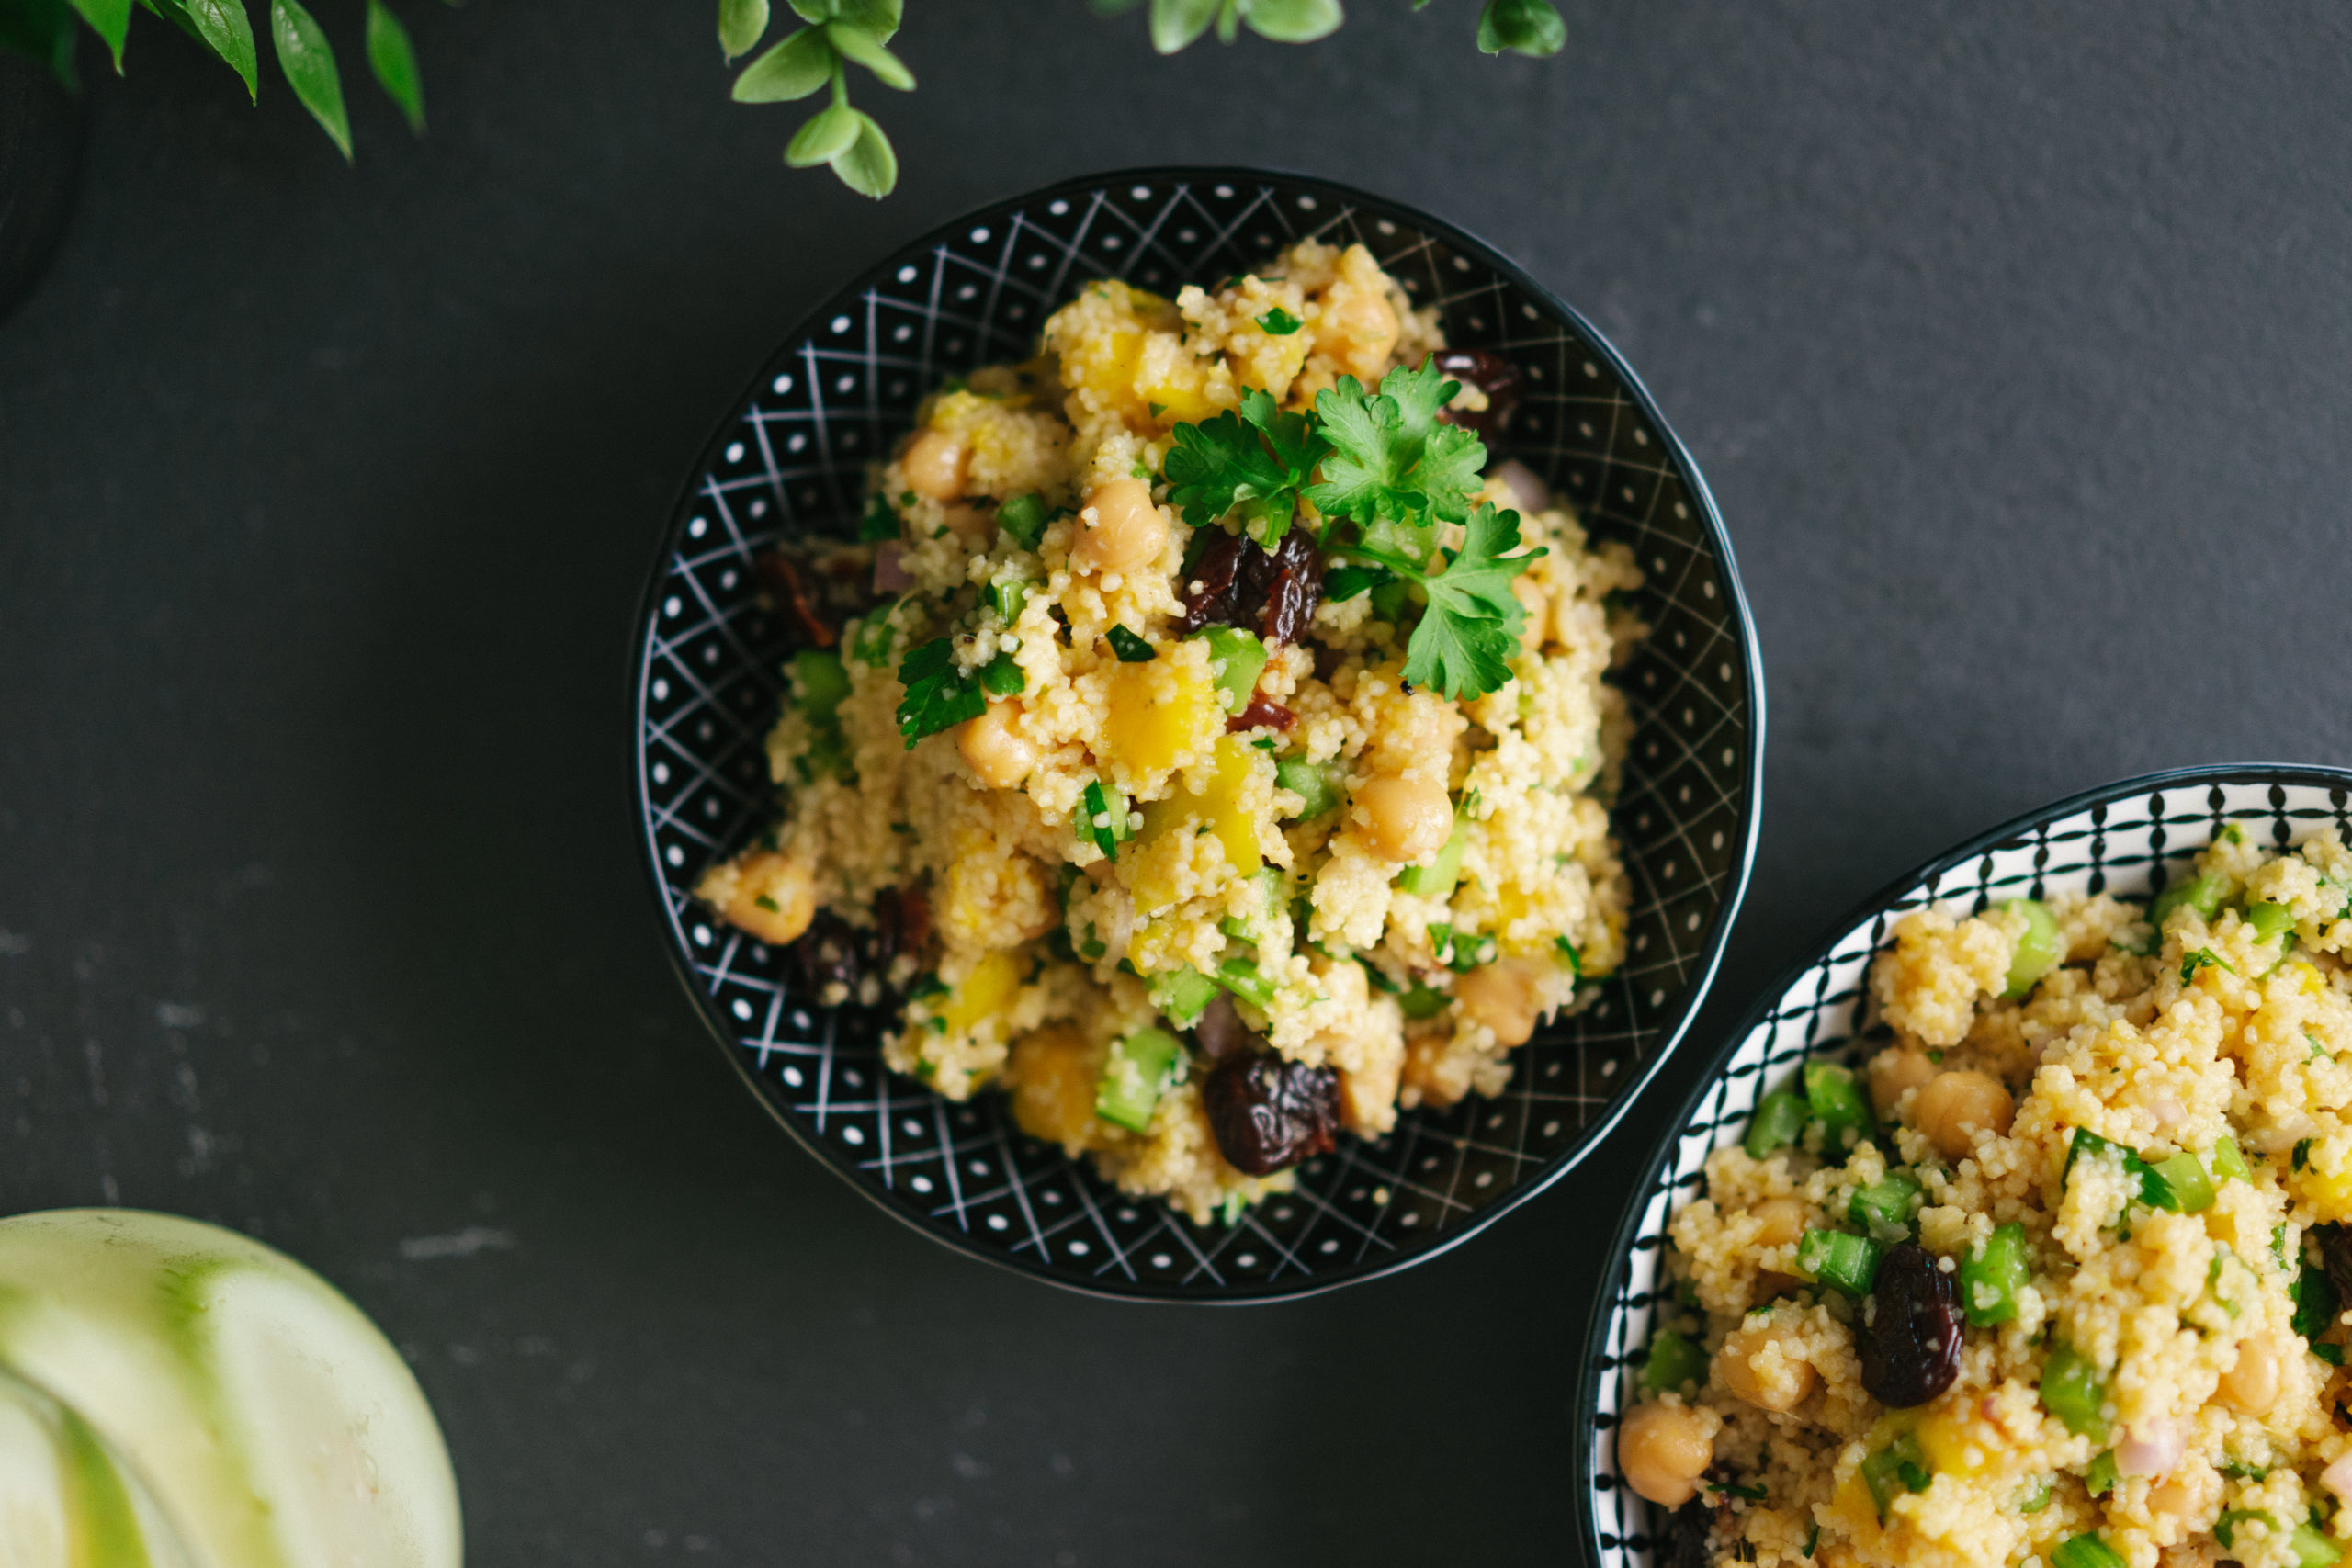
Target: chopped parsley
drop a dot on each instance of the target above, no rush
(770, 905)
(1000, 677)
(1255, 461)
(1279, 323)
(2203, 958)
(1131, 648)
(939, 696)
(880, 521)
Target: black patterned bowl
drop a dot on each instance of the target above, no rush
(2128, 839)
(705, 680)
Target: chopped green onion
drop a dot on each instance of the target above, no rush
(2227, 1163)
(2202, 893)
(2073, 1391)
(1317, 783)
(1883, 1207)
(2303, 1154)
(1102, 818)
(1140, 1068)
(2033, 1496)
(1279, 323)
(1240, 976)
(1567, 950)
(1992, 1274)
(2039, 949)
(2154, 1191)
(2313, 1548)
(1006, 595)
(1236, 658)
(2313, 1294)
(2100, 1478)
(1780, 1117)
(1422, 1002)
(1436, 879)
(1840, 1258)
(2086, 1551)
(1182, 995)
(1896, 1469)
(1023, 518)
(2225, 1527)
(1837, 1104)
(2269, 919)
(2184, 1175)
(1131, 648)
(2239, 1469)
(819, 681)
(2203, 958)
(1000, 677)
(1674, 1360)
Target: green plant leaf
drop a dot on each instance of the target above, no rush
(793, 68)
(869, 167)
(828, 133)
(856, 44)
(224, 27)
(308, 59)
(1294, 21)
(740, 23)
(1176, 23)
(41, 31)
(1112, 7)
(110, 20)
(1524, 27)
(1228, 20)
(393, 59)
(880, 18)
(814, 12)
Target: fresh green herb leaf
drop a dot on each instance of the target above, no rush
(740, 23)
(308, 59)
(1568, 951)
(1391, 457)
(1002, 677)
(939, 696)
(1344, 582)
(1175, 24)
(862, 48)
(1131, 648)
(764, 902)
(110, 20)
(2203, 958)
(1255, 460)
(1100, 818)
(822, 137)
(1022, 520)
(793, 68)
(393, 59)
(868, 165)
(879, 524)
(1279, 323)
(1290, 21)
(225, 28)
(1531, 28)
(2302, 1152)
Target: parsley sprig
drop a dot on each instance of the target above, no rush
(1393, 474)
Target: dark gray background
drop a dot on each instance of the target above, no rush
(2014, 342)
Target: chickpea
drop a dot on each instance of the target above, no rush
(1780, 1220)
(993, 749)
(1952, 1107)
(789, 891)
(1406, 818)
(1119, 528)
(1893, 1071)
(1663, 1450)
(1761, 1366)
(970, 525)
(1531, 599)
(935, 465)
(2252, 1385)
(1502, 996)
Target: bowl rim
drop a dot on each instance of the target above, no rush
(1716, 537)
(1594, 1362)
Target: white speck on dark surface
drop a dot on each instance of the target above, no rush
(470, 1242)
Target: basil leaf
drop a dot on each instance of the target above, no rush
(740, 23)
(1524, 26)
(1177, 23)
(856, 44)
(110, 20)
(828, 133)
(308, 59)
(1294, 21)
(793, 68)
(393, 59)
(869, 167)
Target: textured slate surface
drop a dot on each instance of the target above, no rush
(2012, 345)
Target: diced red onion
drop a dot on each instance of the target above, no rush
(1521, 480)
(2152, 1449)
(889, 576)
(2337, 1478)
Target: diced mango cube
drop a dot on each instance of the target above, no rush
(982, 992)
(1159, 711)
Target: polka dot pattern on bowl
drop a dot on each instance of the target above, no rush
(793, 458)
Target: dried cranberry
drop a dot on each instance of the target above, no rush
(1213, 577)
(1910, 1329)
(1262, 712)
(902, 915)
(1687, 1536)
(1297, 587)
(827, 952)
(1491, 374)
(781, 578)
(1268, 1113)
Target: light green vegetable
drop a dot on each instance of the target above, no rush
(1780, 1117)
(2073, 1391)
(1837, 1104)
(1242, 657)
(2039, 949)
(2202, 893)
(1835, 1257)
(1673, 1361)
(1885, 1207)
(1182, 995)
(1140, 1068)
(1436, 879)
(1991, 1275)
(1317, 783)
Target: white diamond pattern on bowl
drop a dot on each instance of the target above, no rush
(707, 685)
(2129, 839)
